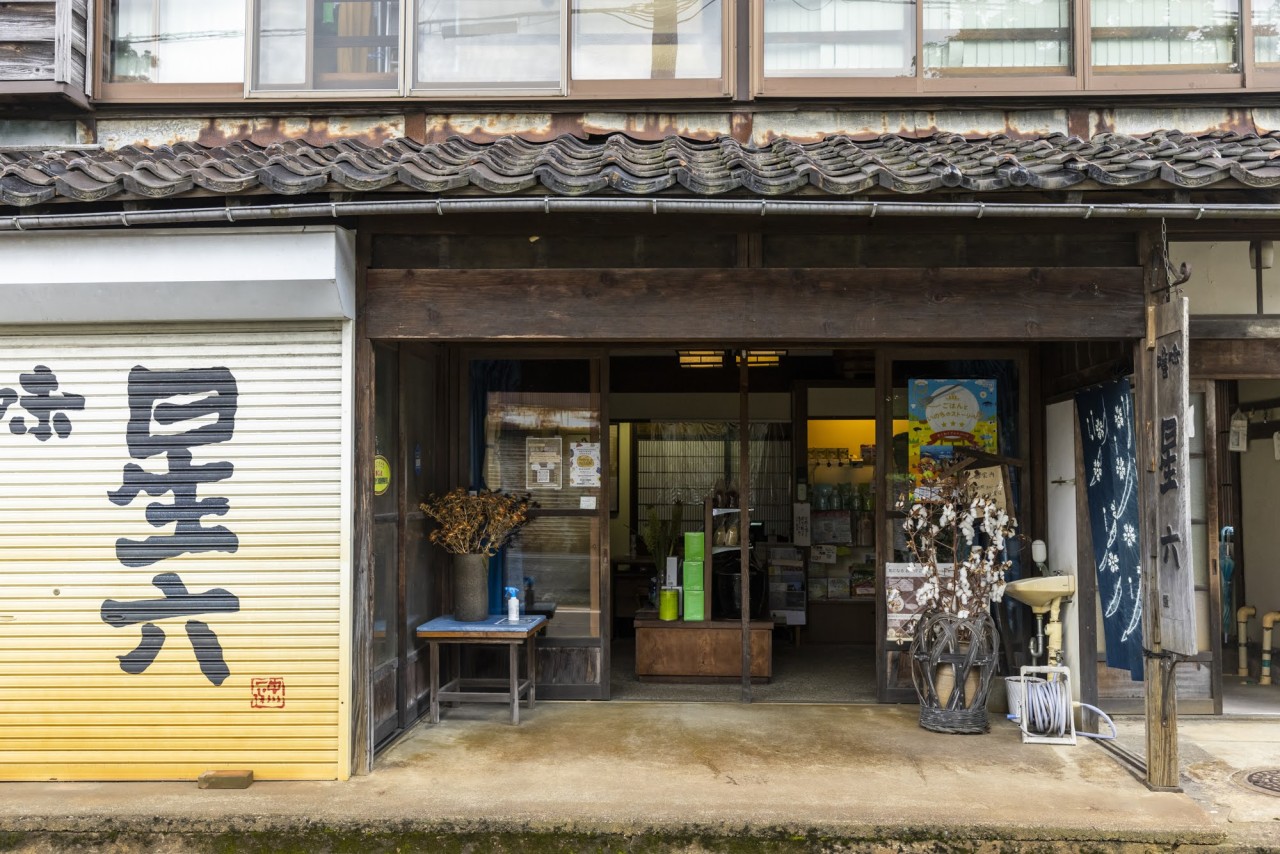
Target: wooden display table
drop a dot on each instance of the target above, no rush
(495, 630)
(700, 651)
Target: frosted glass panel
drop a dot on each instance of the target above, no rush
(1165, 35)
(282, 43)
(1200, 553)
(647, 39)
(1195, 444)
(839, 37)
(177, 41)
(997, 36)
(1266, 32)
(1202, 621)
(1196, 494)
(488, 44)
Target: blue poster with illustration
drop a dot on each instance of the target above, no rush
(944, 415)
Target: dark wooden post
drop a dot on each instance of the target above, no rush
(744, 519)
(1161, 364)
(362, 547)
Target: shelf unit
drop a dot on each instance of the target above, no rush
(710, 516)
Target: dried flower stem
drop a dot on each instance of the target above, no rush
(476, 523)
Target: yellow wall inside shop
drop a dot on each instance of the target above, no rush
(850, 433)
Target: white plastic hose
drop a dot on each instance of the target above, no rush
(1048, 709)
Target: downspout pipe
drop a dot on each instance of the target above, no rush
(1268, 622)
(1243, 615)
(610, 204)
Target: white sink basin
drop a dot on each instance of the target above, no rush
(1041, 590)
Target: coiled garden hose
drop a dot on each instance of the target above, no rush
(1048, 709)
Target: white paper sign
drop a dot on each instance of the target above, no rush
(800, 524)
(823, 554)
(1239, 439)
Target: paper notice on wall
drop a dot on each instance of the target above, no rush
(584, 464)
(823, 554)
(1239, 438)
(543, 462)
(800, 534)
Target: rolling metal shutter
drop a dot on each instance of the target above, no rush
(174, 544)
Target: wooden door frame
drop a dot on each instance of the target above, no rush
(598, 360)
(1030, 517)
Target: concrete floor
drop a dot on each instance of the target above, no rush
(630, 776)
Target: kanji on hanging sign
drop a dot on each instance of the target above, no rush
(1174, 567)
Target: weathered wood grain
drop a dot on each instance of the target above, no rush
(21, 22)
(26, 61)
(937, 304)
(1235, 360)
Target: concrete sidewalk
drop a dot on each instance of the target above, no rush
(655, 776)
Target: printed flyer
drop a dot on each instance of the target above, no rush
(944, 415)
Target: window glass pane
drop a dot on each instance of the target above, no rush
(996, 36)
(176, 41)
(839, 37)
(282, 43)
(1266, 32)
(352, 44)
(647, 40)
(488, 43)
(1165, 35)
(555, 553)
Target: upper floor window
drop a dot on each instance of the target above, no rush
(327, 45)
(161, 49)
(912, 41)
(1178, 36)
(175, 42)
(489, 45)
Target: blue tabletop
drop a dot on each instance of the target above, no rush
(493, 623)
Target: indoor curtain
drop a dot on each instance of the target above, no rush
(1111, 485)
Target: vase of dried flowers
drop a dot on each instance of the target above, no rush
(958, 536)
(473, 527)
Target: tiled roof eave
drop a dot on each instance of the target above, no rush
(839, 167)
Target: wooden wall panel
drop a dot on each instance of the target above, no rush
(798, 305)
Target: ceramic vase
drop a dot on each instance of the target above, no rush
(470, 587)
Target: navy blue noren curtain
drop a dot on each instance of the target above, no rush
(1111, 484)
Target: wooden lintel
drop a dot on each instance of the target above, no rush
(1235, 359)
(785, 304)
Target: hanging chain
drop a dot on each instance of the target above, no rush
(1174, 277)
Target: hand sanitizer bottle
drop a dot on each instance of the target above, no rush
(513, 608)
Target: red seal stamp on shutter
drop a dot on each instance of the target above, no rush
(266, 693)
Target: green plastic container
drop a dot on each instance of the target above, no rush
(694, 605)
(691, 575)
(694, 547)
(668, 603)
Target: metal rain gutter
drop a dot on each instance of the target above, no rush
(559, 204)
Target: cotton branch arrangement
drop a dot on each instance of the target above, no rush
(950, 522)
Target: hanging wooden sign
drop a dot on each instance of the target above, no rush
(1175, 573)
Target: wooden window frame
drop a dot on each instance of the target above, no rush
(1156, 80)
(706, 87)
(916, 84)
(255, 91)
(107, 91)
(410, 63)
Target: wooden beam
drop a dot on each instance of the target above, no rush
(1235, 326)
(1235, 359)
(736, 305)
